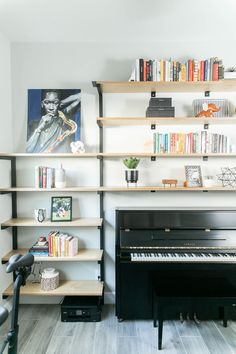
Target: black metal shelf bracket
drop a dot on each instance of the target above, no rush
(206, 126)
(153, 158)
(205, 191)
(205, 158)
(153, 93)
(3, 227)
(207, 93)
(153, 126)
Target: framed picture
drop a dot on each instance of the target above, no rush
(53, 120)
(61, 209)
(193, 176)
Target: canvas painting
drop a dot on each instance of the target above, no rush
(54, 117)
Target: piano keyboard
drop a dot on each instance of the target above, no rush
(183, 257)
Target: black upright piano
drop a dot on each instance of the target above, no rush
(154, 244)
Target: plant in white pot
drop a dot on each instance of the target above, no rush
(131, 175)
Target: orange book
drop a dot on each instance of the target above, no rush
(215, 71)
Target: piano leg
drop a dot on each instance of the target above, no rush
(160, 328)
(224, 317)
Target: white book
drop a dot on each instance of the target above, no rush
(36, 176)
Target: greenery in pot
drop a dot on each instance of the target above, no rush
(131, 163)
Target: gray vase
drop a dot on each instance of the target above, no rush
(131, 176)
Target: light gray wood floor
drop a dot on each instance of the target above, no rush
(42, 332)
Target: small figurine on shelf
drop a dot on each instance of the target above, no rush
(77, 147)
(208, 110)
(170, 182)
(131, 175)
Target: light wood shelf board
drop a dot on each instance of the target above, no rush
(176, 155)
(167, 189)
(44, 190)
(172, 86)
(66, 288)
(114, 121)
(84, 255)
(80, 222)
(53, 155)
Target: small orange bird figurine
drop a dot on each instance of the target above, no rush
(208, 110)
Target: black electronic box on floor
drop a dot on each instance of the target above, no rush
(81, 309)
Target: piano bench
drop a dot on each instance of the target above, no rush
(174, 293)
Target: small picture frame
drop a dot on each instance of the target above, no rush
(193, 176)
(61, 209)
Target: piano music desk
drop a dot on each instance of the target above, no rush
(218, 293)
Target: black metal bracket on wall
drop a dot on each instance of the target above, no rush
(153, 93)
(207, 93)
(14, 203)
(101, 166)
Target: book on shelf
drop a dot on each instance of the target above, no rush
(57, 245)
(210, 69)
(44, 177)
(191, 143)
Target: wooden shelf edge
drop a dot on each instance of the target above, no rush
(54, 155)
(30, 222)
(111, 121)
(66, 288)
(165, 86)
(168, 189)
(84, 255)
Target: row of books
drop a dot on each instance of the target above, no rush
(44, 177)
(190, 143)
(57, 245)
(172, 70)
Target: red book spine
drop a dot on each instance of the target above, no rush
(44, 177)
(202, 70)
(144, 70)
(215, 71)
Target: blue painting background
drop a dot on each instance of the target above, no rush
(35, 110)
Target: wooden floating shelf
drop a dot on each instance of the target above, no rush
(84, 255)
(36, 155)
(66, 288)
(110, 121)
(80, 222)
(152, 154)
(67, 189)
(162, 86)
(168, 189)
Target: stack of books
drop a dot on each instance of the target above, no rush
(40, 248)
(211, 69)
(44, 177)
(191, 143)
(160, 107)
(62, 245)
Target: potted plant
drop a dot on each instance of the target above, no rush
(131, 175)
(230, 73)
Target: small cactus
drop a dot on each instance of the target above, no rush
(131, 162)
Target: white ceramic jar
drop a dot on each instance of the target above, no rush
(60, 177)
(49, 279)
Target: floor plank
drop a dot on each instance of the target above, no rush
(194, 345)
(229, 333)
(42, 332)
(213, 339)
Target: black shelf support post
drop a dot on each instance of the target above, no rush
(101, 182)
(14, 202)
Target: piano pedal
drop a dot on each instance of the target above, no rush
(196, 320)
(181, 317)
(188, 317)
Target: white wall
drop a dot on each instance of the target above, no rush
(75, 66)
(6, 146)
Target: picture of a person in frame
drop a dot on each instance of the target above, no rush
(59, 124)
